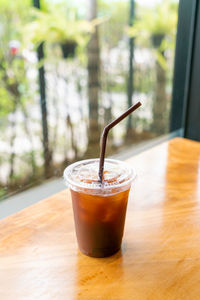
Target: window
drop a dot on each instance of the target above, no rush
(65, 75)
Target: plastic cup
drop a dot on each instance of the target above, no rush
(99, 209)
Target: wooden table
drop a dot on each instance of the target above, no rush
(160, 257)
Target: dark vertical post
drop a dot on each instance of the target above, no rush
(192, 113)
(93, 66)
(130, 76)
(47, 155)
(182, 64)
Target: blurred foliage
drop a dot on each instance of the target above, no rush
(156, 28)
(161, 20)
(56, 23)
(13, 83)
(117, 19)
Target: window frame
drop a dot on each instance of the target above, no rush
(185, 108)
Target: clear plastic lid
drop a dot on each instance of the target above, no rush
(83, 176)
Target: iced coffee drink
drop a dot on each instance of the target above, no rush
(99, 208)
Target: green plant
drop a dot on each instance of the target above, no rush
(54, 25)
(13, 81)
(156, 28)
(15, 92)
(160, 21)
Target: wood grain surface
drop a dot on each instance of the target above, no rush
(160, 256)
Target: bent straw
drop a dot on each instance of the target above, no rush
(105, 135)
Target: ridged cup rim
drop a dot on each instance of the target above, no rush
(131, 175)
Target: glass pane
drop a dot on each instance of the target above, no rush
(95, 60)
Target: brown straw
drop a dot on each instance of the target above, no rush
(105, 135)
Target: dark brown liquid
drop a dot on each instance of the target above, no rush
(99, 222)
